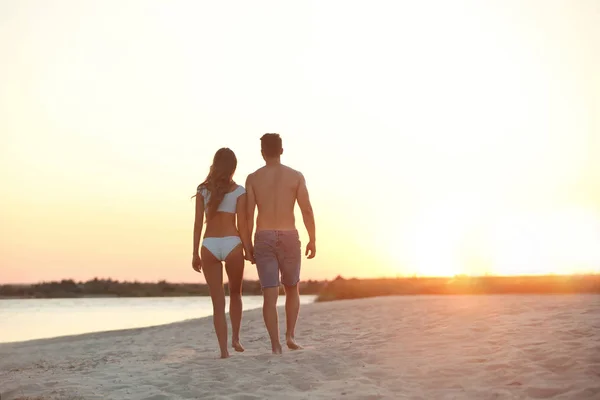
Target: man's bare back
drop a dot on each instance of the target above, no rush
(275, 189)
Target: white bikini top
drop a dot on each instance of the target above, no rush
(229, 202)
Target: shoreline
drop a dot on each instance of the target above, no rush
(116, 332)
(103, 334)
(33, 319)
(314, 301)
(391, 347)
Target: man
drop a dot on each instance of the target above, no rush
(274, 190)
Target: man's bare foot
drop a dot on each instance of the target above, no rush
(277, 349)
(292, 345)
(237, 346)
(225, 354)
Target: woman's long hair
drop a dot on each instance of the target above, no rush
(218, 180)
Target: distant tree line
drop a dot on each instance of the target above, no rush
(337, 289)
(68, 288)
(340, 288)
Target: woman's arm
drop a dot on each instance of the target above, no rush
(198, 223)
(242, 224)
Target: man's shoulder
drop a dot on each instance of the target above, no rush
(288, 174)
(252, 175)
(257, 171)
(292, 171)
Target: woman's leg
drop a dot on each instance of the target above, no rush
(234, 265)
(213, 272)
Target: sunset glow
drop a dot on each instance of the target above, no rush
(458, 138)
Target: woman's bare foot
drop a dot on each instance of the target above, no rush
(237, 346)
(292, 345)
(277, 349)
(225, 354)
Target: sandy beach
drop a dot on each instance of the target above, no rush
(412, 347)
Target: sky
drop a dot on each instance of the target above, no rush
(436, 138)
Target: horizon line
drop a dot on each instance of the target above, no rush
(414, 276)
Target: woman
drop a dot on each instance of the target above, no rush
(220, 199)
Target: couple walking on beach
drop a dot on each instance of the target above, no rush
(274, 190)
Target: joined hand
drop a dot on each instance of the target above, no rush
(249, 255)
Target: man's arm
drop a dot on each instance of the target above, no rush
(250, 205)
(307, 215)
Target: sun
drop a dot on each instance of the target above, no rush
(559, 241)
(458, 236)
(435, 241)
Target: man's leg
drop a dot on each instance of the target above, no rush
(290, 276)
(292, 308)
(271, 318)
(267, 267)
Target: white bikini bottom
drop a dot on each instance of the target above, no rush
(220, 247)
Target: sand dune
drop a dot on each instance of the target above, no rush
(442, 347)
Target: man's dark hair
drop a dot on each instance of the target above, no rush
(270, 144)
